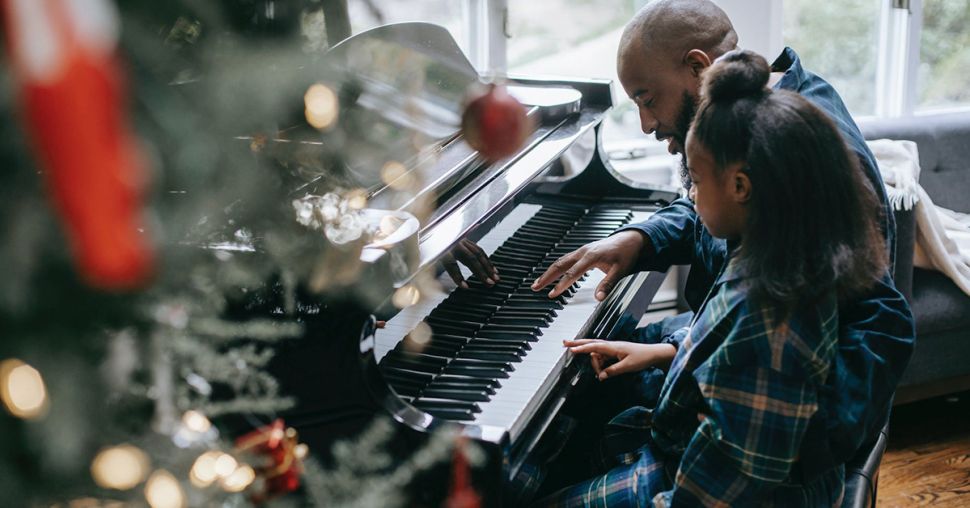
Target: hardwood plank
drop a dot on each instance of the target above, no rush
(927, 462)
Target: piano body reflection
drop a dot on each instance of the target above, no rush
(489, 360)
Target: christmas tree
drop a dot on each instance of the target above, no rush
(207, 167)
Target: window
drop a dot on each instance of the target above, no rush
(579, 38)
(838, 41)
(447, 13)
(944, 71)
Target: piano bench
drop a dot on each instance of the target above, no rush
(862, 474)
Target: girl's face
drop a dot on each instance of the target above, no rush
(719, 194)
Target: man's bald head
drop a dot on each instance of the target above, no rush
(667, 29)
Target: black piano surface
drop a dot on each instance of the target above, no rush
(488, 360)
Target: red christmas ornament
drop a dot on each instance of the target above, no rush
(495, 123)
(72, 95)
(461, 495)
(283, 456)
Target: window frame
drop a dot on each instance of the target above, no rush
(897, 69)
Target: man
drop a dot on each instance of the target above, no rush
(662, 54)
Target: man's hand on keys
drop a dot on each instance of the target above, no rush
(615, 256)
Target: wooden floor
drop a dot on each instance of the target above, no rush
(928, 459)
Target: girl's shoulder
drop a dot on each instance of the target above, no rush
(800, 339)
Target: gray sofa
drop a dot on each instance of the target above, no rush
(941, 360)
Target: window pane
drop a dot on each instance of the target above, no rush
(944, 76)
(447, 13)
(579, 38)
(839, 42)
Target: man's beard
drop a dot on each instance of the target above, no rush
(688, 107)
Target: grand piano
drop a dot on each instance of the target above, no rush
(488, 361)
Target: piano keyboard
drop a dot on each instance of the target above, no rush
(495, 353)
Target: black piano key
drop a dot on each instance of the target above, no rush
(447, 339)
(437, 349)
(416, 365)
(540, 297)
(518, 321)
(462, 361)
(546, 316)
(434, 403)
(552, 305)
(477, 384)
(507, 339)
(508, 283)
(491, 355)
(468, 380)
(462, 394)
(520, 347)
(478, 372)
(458, 415)
(475, 298)
(541, 232)
(509, 262)
(563, 223)
(466, 313)
(489, 330)
(531, 242)
(459, 330)
(445, 323)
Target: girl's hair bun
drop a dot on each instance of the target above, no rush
(736, 74)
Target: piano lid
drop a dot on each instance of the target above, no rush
(408, 85)
(411, 81)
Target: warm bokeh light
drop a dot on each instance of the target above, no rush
(322, 106)
(225, 464)
(388, 225)
(22, 389)
(406, 296)
(418, 338)
(119, 467)
(396, 175)
(357, 199)
(301, 451)
(241, 478)
(163, 491)
(196, 421)
(203, 471)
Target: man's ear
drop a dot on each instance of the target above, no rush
(697, 61)
(742, 185)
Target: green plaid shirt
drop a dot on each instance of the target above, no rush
(740, 396)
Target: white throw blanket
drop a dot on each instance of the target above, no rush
(942, 236)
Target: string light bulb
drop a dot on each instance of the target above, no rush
(203, 471)
(224, 465)
(357, 199)
(119, 467)
(163, 491)
(322, 106)
(22, 389)
(196, 421)
(396, 175)
(406, 296)
(241, 478)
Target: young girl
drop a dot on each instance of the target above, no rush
(738, 416)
